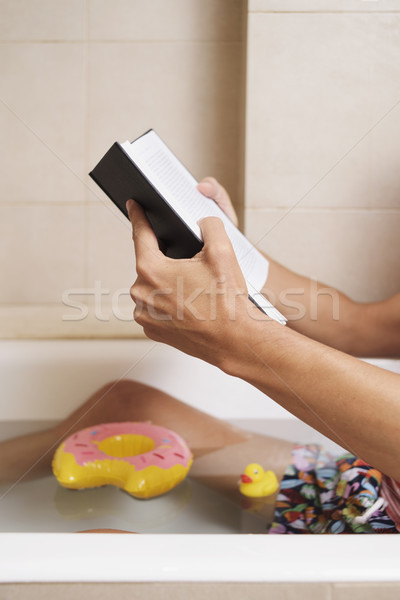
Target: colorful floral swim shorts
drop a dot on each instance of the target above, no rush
(324, 494)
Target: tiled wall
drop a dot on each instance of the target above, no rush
(323, 139)
(75, 77)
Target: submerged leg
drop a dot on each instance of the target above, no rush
(221, 451)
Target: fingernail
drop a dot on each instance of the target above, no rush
(129, 205)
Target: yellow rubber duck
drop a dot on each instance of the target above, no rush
(256, 483)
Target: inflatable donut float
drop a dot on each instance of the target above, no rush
(144, 460)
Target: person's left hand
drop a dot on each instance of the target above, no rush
(211, 188)
(188, 303)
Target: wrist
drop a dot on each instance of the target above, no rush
(253, 341)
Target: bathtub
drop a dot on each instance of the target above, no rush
(45, 380)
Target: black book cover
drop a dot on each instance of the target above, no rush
(118, 176)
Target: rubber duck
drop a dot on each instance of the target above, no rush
(255, 482)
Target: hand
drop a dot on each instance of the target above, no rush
(214, 190)
(188, 303)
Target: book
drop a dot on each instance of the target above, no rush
(150, 173)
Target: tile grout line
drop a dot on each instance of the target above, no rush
(324, 12)
(330, 590)
(259, 209)
(125, 41)
(320, 210)
(86, 150)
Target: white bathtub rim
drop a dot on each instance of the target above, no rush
(65, 557)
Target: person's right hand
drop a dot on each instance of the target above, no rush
(210, 187)
(194, 304)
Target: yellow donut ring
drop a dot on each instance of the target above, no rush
(144, 460)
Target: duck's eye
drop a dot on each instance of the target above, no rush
(255, 471)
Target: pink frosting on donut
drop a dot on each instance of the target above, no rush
(169, 448)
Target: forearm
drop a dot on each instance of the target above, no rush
(313, 309)
(381, 330)
(329, 316)
(353, 403)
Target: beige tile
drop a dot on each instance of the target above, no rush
(322, 110)
(110, 273)
(111, 260)
(356, 251)
(216, 20)
(41, 252)
(63, 321)
(42, 118)
(164, 590)
(45, 20)
(320, 6)
(366, 591)
(189, 93)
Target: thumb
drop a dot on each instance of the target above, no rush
(219, 253)
(210, 187)
(144, 238)
(214, 236)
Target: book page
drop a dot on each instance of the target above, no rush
(178, 187)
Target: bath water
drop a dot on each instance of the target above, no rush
(42, 505)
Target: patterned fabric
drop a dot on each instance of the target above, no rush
(324, 494)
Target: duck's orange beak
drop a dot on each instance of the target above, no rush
(246, 479)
